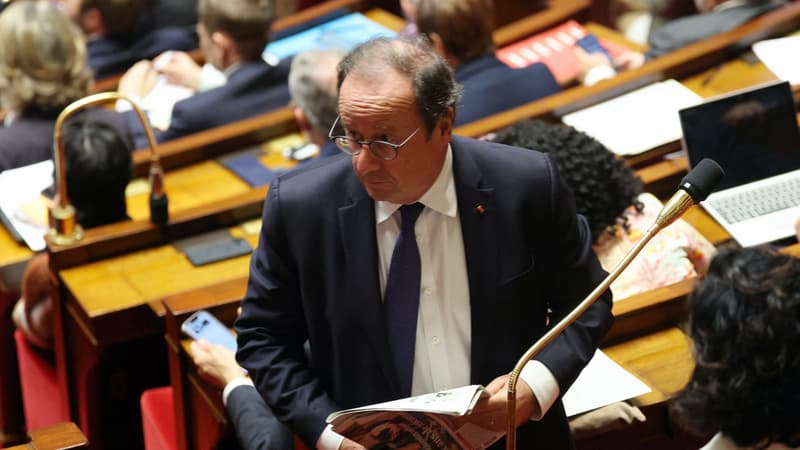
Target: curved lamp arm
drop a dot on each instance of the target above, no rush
(676, 206)
(64, 229)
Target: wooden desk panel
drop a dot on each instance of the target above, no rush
(662, 359)
(126, 281)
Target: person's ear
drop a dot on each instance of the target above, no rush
(224, 45)
(302, 119)
(445, 125)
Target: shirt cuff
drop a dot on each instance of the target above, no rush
(598, 73)
(236, 382)
(329, 439)
(543, 384)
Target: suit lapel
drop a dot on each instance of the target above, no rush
(478, 214)
(357, 225)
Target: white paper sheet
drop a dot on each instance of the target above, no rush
(780, 56)
(19, 187)
(637, 121)
(602, 382)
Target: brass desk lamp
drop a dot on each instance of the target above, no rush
(63, 227)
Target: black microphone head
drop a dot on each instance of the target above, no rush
(700, 181)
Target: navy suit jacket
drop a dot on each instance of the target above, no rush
(686, 30)
(314, 276)
(254, 88)
(491, 87)
(255, 424)
(112, 55)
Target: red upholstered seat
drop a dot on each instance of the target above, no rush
(39, 385)
(158, 419)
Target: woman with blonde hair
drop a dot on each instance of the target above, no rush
(42, 70)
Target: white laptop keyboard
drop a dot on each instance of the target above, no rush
(759, 200)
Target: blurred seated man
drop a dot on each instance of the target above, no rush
(233, 35)
(716, 16)
(312, 86)
(42, 70)
(254, 422)
(461, 32)
(743, 321)
(610, 196)
(113, 42)
(98, 168)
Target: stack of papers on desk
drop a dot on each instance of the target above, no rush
(19, 190)
(639, 120)
(780, 57)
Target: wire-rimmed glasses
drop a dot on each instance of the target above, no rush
(381, 149)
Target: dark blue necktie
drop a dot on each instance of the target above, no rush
(401, 298)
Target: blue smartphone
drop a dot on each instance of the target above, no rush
(203, 325)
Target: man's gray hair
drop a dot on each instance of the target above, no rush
(435, 88)
(312, 86)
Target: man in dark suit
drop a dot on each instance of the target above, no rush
(716, 16)
(255, 425)
(113, 42)
(461, 31)
(233, 34)
(500, 248)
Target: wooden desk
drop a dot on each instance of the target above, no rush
(110, 327)
(61, 436)
(680, 64)
(111, 294)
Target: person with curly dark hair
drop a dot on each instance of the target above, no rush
(609, 195)
(743, 320)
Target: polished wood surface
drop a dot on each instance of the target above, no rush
(147, 276)
(662, 359)
(206, 181)
(61, 436)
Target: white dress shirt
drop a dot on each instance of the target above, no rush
(443, 342)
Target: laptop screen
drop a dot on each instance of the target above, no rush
(752, 134)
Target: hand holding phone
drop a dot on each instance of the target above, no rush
(203, 325)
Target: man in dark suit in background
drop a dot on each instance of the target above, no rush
(499, 248)
(113, 42)
(716, 16)
(233, 34)
(312, 86)
(461, 31)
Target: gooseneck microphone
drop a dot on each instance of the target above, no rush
(694, 188)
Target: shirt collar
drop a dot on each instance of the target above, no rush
(440, 197)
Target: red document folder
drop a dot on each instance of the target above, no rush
(554, 48)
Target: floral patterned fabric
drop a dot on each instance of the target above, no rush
(676, 253)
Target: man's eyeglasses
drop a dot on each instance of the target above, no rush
(381, 149)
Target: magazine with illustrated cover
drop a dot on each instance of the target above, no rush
(428, 421)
